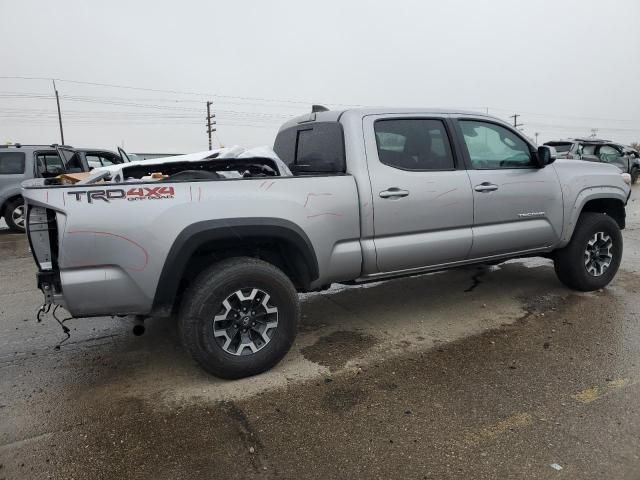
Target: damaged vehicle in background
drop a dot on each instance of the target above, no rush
(23, 162)
(225, 240)
(605, 151)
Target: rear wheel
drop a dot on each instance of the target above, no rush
(239, 317)
(592, 257)
(14, 215)
(635, 172)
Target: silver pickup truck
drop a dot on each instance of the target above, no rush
(370, 194)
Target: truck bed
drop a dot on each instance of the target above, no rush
(116, 237)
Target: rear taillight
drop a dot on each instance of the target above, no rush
(43, 236)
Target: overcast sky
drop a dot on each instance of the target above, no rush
(565, 65)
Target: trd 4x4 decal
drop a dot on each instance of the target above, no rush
(133, 194)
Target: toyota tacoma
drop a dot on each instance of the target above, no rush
(226, 244)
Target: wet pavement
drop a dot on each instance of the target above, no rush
(490, 372)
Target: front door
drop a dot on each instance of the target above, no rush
(610, 154)
(422, 201)
(517, 205)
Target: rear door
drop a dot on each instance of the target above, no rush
(517, 206)
(422, 201)
(588, 152)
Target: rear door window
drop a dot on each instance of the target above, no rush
(49, 164)
(12, 163)
(413, 144)
(560, 147)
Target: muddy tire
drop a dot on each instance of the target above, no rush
(14, 215)
(592, 257)
(635, 172)
(239, 317)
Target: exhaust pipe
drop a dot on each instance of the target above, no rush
(138, 325)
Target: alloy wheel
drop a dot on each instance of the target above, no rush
(246, 322)
(18, 216)
(598, 255)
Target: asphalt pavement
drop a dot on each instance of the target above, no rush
(482, 372)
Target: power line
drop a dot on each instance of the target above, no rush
(177, 92)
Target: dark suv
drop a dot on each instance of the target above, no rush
(592, 150)
(23, 162)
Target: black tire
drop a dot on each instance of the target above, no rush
(204, 300)
(635, 172)
(569, 262)
(10, 217)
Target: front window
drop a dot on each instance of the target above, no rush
(99, 160)
(608, 153)
(492, 146)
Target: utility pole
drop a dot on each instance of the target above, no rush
(537, 133)
(210, 129)
(59, 114)
(515, 120)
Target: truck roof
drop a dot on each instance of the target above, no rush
(336, 115)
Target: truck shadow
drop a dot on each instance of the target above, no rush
(337, 326)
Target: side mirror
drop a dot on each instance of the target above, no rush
(545, 155)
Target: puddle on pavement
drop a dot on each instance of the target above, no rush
(336, 349)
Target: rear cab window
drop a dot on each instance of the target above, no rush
(312, 148)
(12, 163)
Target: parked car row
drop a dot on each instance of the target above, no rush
(624, 157)
(23, 162)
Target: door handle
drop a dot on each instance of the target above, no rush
(485, 187)
(394, 192)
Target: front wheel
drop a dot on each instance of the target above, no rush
(239, 318)
(14, 215)
(592, 257)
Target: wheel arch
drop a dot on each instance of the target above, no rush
(8, 200)
(277, 241)
(601, 200)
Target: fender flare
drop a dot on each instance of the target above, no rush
(584, 196)
(201, 233)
